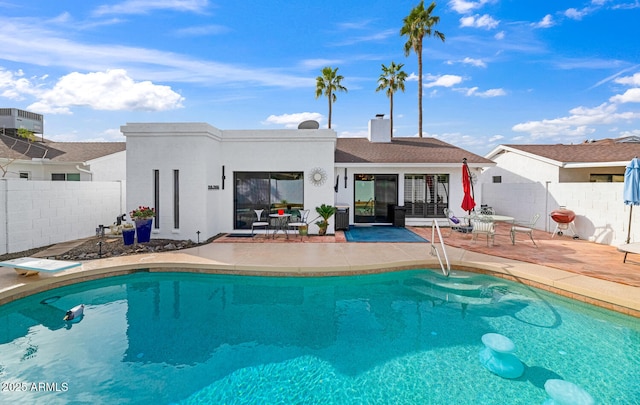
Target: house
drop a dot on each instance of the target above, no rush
(586, 178)
(203, 181)
(592, 161)
(42, 159)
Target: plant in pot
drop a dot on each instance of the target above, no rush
(325, 212)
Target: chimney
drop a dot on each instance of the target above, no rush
(379, 129)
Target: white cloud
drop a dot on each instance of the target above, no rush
(443, 81)
(575, 14)
(464, 6)
(500, 35)
(202, 30)
(546, 22)
(578, 123)
(292, 120)
(474, 62)
(629, 96)
(629, 80)
(485, 94)
(145, 6)
(319, 63)
(55, 50)
(111, 90)
(479, 21)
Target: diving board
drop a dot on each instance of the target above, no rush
(28, 266)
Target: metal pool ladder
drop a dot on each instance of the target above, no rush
(434, 249)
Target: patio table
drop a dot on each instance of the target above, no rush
(281, 224)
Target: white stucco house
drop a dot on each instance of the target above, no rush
(203, 181)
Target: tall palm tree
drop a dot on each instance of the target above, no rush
(392, 79)
(328, 84)
(418, 24)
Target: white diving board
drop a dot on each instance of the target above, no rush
(27, 266)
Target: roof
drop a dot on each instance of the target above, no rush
(12, 147)
(404, 150)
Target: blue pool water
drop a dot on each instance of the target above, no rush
(410, 337)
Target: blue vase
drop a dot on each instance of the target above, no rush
(128, 235)
(143, 230)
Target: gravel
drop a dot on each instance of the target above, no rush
(95, 248)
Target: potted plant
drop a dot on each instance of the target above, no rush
(143, 217)
(128, 233)
(325, 212)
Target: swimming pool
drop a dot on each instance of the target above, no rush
(410, 337)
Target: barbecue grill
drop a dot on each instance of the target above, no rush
(564, 221)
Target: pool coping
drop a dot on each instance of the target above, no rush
(329, 259)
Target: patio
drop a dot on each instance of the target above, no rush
(559, 252)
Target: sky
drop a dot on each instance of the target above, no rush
(508, 72)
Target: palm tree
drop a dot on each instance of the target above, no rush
(392, 79)
(418, 24)
(327, 84)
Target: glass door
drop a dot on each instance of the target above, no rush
(374, 195)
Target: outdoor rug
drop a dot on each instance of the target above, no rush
(381, 233)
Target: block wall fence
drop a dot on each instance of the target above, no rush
(40, 213)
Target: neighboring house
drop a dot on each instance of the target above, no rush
(540, 178)
(593, 161)
(42, 159)
(203, 181)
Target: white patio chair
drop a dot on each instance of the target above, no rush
(301, 221)
(454, 223)
(483, 225)
(526, 227)
(259, 223)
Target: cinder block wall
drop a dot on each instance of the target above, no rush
(41, 213)
(601, 215)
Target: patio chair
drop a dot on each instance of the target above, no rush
(484, 210)
(483, 225)
(526, 227)
(260, 223)
(300, 221)
(454, 223)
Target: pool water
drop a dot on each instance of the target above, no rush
(410, 337)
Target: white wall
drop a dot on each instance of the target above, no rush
(40, 213)
(517, 168)
(109, 168)
(199, 151)
(601, 215)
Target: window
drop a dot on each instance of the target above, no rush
(269, 191)
(25, 175)
(176, 199)
(606, 178)
(156, 197)
(426, 195)
(497, 179)
(65, 176)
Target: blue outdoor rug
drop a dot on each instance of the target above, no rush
(381, 233)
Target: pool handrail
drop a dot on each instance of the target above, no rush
(434, 250)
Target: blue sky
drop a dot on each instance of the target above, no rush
(510, 71)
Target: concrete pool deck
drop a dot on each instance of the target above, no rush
(330, 259)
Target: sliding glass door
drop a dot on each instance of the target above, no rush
(374, 195)
(268, 191)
